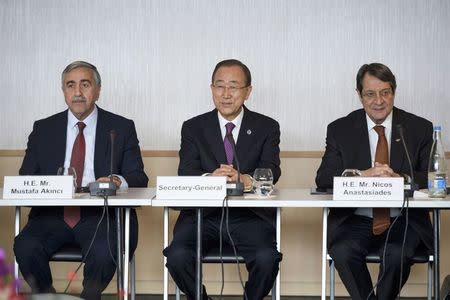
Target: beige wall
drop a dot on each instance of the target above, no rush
(301, 238)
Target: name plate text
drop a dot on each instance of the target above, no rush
(190, 187)
(38, 187)
(368, 188)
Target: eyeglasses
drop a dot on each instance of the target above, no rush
(231, 89)
(372, 95)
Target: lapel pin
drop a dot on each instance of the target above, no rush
(249, 132)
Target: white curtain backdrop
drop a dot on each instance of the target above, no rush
(156, 58)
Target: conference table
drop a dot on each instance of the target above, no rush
(282, 198)
(124, 200)
(298, 198)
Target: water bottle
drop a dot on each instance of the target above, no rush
(437, 176)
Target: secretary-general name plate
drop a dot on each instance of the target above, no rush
(38, 187)
(368, 188)
(190, 187)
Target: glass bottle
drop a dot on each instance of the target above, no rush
(437, 172)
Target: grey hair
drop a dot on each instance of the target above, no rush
(82, 64)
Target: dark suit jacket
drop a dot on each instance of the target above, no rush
(257, 146)
(347, 147)
(46, 151)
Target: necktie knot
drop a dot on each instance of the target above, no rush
(229, 127)
(81, 126)
(379, 130)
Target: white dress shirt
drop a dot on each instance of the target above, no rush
(223, 130)
(237, 123)
(89, 137)
(373, 141)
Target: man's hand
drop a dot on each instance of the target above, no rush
(226, 170)
(115, 179)
(232, 175)
(379, 170)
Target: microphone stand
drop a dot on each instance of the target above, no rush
(102, 189)
(413, 185)
(407, 194)
(235, 188)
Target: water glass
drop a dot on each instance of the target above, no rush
(70, 171)
(263, 182)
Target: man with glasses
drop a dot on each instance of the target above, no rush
(367, 140)
(207, 149)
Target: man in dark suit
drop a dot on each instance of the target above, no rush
(360, 141)
(204, 152)
(79, 138)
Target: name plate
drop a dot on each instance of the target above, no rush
(190, 187)
(38, 187)
(368, 188)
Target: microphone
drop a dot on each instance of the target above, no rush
(102, 189)
(235, 188)
(112, 135)
(413, 186)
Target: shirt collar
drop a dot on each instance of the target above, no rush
(89, 121)
(237, 121)
(387, 123)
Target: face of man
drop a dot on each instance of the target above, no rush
(377, 98)
(80, 92)
(229, 91)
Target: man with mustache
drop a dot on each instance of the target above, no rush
(367, 139)
(78, 137)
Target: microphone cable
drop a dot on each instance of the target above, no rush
(87, 252)
(412, 182)
(405, 199)
(105, 198)
(403, 245)
(105, 209)
(234, 248)
(225, 208)
(384, 251)
(221, 247)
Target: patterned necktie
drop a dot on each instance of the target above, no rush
(72, 213)
(228, 143)
(381, 217)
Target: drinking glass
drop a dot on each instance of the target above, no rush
(70, 171)
(263, 182)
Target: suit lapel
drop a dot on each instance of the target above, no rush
(60, 143)
(397, 153)
(362, 148)
(213, 137)
(245, 142)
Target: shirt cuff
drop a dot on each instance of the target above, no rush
(124, 184)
